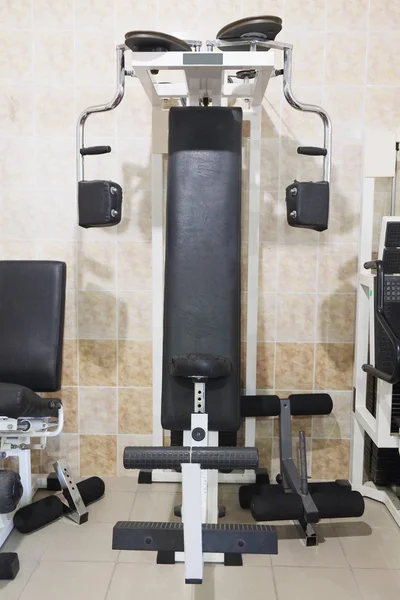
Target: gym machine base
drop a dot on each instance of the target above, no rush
(375, 459)
(293, 497)
(196, 343)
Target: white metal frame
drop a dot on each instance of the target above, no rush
(17, 443)
(380, 158)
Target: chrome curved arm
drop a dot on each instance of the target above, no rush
(287, 91)
(119, 94)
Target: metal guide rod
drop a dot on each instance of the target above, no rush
(119, 94)
(287, 91)
(253, 240)
(394, 185)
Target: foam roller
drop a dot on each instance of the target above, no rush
(303, 405)
(260, 406)
(145, 457)
(329, 487)
(276, 506)
(38, 514)
(90, 489)
(339, 505)
(246, 493)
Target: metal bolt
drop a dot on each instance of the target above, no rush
(9, 426)
(114, 213)
(293, 191)
(293, 214)
(113, 190)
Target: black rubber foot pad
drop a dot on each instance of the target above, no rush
(164, 557)
(233, 560)
(262, 477)
(145, 477)
(9, 565)
(194, 581)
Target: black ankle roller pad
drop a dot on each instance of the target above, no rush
(145, 457)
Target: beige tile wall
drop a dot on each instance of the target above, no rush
(58, 57)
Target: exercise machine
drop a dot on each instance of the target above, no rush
(196, 332)
(293, 497)
(32, 327)
(375, 460)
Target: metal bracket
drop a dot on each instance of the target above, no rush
(78, 511)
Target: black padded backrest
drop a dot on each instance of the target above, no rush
(202, 265)
(32, 305)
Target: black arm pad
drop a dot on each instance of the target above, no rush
(310, 404)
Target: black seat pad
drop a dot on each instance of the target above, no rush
(154, 41)
(18, 401)
(10, 491)
(200, 365)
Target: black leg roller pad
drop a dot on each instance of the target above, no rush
(227, 458)
(34, 516)
(9, 565)
(271, 502)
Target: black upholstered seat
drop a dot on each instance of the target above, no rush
(18, 401)
(200, 365)
(32, 304)
(154, 41)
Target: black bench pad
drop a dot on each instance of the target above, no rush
(202, 260)
(18, 401)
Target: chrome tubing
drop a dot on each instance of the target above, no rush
(287, 91)
(394, 186)
(119, 94)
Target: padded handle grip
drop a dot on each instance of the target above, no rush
(312, 151)
(260, 406)
(94, 150)
(223, 458)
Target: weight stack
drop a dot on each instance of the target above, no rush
(381, 464)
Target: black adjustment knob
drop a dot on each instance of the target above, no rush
(198, 434)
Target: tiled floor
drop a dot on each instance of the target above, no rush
(357, 559)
